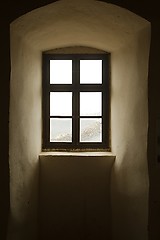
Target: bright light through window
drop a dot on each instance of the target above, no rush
(61, 71)
(90, 130)
(90, 103)
(60, 130)
(90, 71)
(61, 104)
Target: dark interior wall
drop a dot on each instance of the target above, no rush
(10, 10)
(154, 114)
(4, 102)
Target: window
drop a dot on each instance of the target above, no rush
(75, 101)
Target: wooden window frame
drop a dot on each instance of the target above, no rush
(76, 88)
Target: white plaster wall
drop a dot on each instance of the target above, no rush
(109, 28)
(25, 138)
(129, 119)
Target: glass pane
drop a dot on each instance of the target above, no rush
(90, 71)
(61, 71)
(61, 104)
(90, 103)
(60, 130)
(91, 130)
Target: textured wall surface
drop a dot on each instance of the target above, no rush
(25, 139)
(129, 109)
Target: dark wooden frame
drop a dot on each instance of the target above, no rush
(76, 88)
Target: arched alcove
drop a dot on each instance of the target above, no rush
(91, 24)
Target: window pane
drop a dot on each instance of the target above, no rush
(60, 130)
(90, 103)
(90, 71)
(90, 130)
(61, 104)
(61, 71)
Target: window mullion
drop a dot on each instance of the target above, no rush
(78, 100)
(75, 105)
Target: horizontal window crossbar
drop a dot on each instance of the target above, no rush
(61, 116)
(76, 117)
(76, 88)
